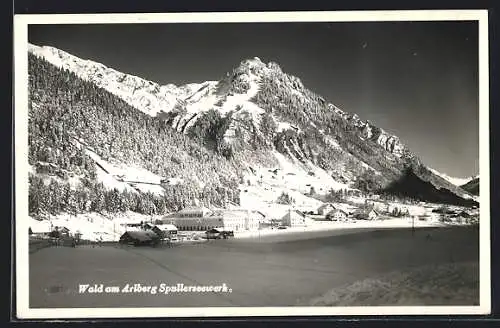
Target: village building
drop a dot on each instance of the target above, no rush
(59, 232)
(138, 238)
(294, 218)
(135, 226)
(337, 215)
(326, 208)
(164, 230)
(192, 212)
(366, 214)
(203, 219)
(381, 206)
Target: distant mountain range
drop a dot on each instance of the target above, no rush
(454, 180)
(214, 136)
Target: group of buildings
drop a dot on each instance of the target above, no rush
(235, 220)
(203, 219)
(330, 212)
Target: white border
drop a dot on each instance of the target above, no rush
(21, 23)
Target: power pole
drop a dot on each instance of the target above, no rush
(413, 225)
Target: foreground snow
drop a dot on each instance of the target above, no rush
(445, 284)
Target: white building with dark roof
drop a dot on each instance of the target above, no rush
(366, 214)
(337, 215)
(294, 218)
(326, 208)
(204, 219)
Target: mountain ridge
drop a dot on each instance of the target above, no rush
(472, 186)
(457, 181)
(170, 95)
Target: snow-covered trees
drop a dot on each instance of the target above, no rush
(268, 126)
(64, 109)
(285, 199)
(367, 182)
(209, 130)
(56, 196)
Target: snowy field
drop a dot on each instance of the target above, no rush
(451, 284)
(126, 177)
(332, 225)
(263, 186)
(273, 272)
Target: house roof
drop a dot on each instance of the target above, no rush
(61, 228)
(259, 212)
(337, 210)
(39, 226)
(325, 206)
(365, 211)
(217, 213)
(168, 227)
(141, 235)
(194, 210)
(288, 213)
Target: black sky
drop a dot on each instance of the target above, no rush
(418, 80)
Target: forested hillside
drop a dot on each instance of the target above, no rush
(65, 109)
(472, 186)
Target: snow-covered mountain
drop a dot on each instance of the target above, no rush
(153, 99)
(259, 119)
(147, 96)
(456, 181)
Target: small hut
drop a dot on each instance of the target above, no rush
(165, 230)
(139, 238)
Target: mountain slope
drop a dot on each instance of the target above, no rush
(472, 186)
(249, 119)
(144, 95)
(71, 119)
(410, 185)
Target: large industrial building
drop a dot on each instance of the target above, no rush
(204, 219)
